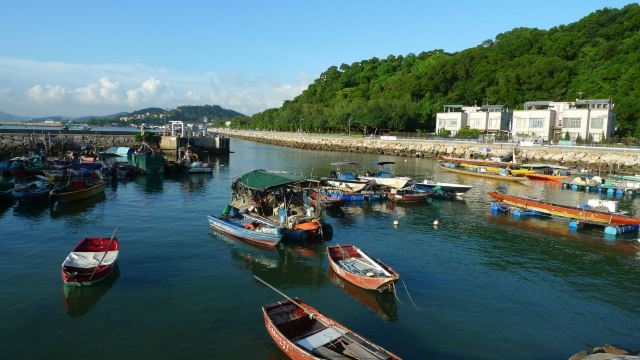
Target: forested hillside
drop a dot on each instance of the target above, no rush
(598, 57)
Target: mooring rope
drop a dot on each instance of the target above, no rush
(409, 295)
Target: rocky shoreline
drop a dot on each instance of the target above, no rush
(623, 161)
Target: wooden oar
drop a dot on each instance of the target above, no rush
(311, 314)
(105, 253)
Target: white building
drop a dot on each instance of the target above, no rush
(542, 120)
(488, 118)
(452, 119)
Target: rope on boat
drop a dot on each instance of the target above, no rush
(409, 295)
(311, 314)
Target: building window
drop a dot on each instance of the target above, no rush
(536, 123)
(571, 123)
(597, 123)
(453, 123)
(521, 123)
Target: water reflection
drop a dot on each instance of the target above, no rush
(286, 266)
(79, 300)
(59, 209)
(151, 184)
(31, 209)
(382, 304)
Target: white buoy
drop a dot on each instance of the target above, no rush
(435, 223)
(396, 223)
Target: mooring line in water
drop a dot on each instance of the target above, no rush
(393, 286)
(409, 295)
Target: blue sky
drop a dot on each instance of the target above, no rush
(95, 58)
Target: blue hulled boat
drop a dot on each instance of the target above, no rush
(243, 226)
(363, 196)
(31, 191)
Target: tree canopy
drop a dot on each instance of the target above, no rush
(595, 57)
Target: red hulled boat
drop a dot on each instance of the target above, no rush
(566, 211)
(91, 261)
(356, 267)
(303, 333)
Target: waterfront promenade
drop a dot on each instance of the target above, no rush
(620, 160)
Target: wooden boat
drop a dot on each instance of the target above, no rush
(346, 180)
(353, 265)
(91, 261)
(501, 164)
(253, 230)
(546, 177)
(456, 189)
(384, 177)
(302, 333)
(408, 195)
(566, 211)
(326, 201)
(78, 189)
(33, 190)
(483, 174)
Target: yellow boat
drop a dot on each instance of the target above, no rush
(485, 174)
(71, 193)
(493, 169)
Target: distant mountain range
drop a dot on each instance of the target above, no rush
(153, 114)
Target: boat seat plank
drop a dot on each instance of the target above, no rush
(320, 338)
(362, 350)
(359, 267)
(85, 260)
(327, 353)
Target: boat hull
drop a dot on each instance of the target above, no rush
(355, 197)
(456, 189)
(368, 283)
(350, 186)
(151, 164)
(484, 175)
(566, 211)
(90, 261)
(73, 196)
(296, 352)
(30, 195)
(409, 198)
(546, 177)
(478, 162)
(270, 239)
(392, 182)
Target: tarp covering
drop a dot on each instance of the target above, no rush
(263, 179)
(87, 260)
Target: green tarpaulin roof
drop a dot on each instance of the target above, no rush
(263, 179)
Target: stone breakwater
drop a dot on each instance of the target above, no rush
(18, 142)
(619, 160)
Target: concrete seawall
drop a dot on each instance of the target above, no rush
(619, 160)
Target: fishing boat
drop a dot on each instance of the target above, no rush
(199, 167)
(566, 211)
(346, 180)
(408, 195)
(303, 332)
(77, 189)
(252, 229)
(354, 196)
(353, 265)
(635, 178)
(32, 190)
(91, 261)
(480, 172)
(326, 201)
(546, 177)
(279, 199)
(449, 188)
(77, 127)
(384, 177)
(26, 166)
(147, 159)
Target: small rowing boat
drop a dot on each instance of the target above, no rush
(251, 229)
(91, 261)
(79, 188)
(326, 201)
(353, 265)
(408, 195)
(546, 177)
(302, 332)
(478, 172)
(566, 211)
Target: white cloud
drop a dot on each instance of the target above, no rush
(150, 92)
(105, 91)
(127, 87)
(47, 93)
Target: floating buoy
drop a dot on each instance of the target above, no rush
(436, 222)
(396, 223)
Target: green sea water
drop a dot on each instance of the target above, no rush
(479, 286)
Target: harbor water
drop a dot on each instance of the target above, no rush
(477, 286)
